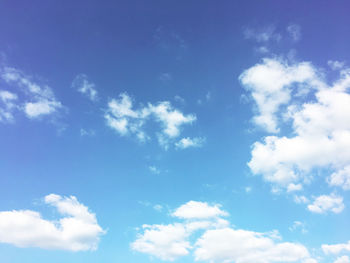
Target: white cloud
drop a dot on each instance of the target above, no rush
(294, 187)
(78, 230)
(270, 86)
(320, 123)
(343, 259)
(8, 100)
(170, 118)
(196, 210)
(166, 242)
(84, 86)
(217, 241)
(190, 142)
(125, 120)
(39, 108)
(242, 246)
(336, 249)
(341, 178)
(294, 32)
(326, 203)
(40, 99)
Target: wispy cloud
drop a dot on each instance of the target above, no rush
(36, 100)
(82, 84)
(262, 34)
(294, 31)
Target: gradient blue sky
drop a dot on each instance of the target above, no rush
(207, 62)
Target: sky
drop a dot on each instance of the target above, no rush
(174, 131)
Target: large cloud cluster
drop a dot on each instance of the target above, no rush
(312, 117)
(214, 239)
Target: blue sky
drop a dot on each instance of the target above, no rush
(174, 131)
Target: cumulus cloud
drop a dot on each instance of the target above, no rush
(343, 259)
(166, 242)
(242, 246)
(82, 84)
(326, 203)
(296, 97)
(190, 142)
(125, 120)
(195, 210)
(336, 249)
(216, 241)
(341, 178)
(270, 84)
(77, 230)
(39, 100)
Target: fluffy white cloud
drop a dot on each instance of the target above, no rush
(242, 246)
(78, 230)
(84, 86)
(217, 241)
(190, 142)
(166, 242)
(196, 210)
(320, 123)
(326, 203)
(42, 107)
(343, 259)
(294, 187)
(341, 178)
(171, 119)
(39, 101)
(125, 120)
(336, 249)
(270, 84)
